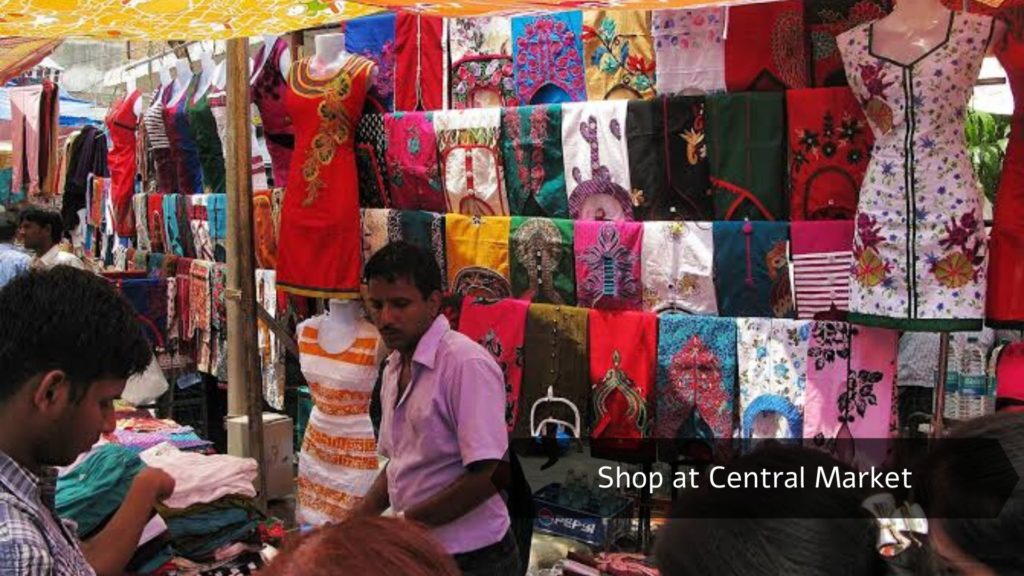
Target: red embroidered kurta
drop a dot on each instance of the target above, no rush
(765, 49)
(500, 327)
(319, 250)
(418, 62)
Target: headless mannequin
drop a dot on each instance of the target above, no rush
(207, 76)
(331, 56)
(182, 81)
(284, 63)
(339, 328)
(130, 88)
(914, 28)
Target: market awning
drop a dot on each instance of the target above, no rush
(20, 54)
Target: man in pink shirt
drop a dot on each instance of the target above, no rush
(442, 428)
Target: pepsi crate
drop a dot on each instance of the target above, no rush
(587, 526)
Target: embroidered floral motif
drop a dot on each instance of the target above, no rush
(832, 343)
(383, 88)
(483, 74)
(964, 264)
(547, 52)
(334, 131)
(876, 82)
(480, 282)
(695, 372)
(870, 270)
(530, 168)
(612, 57)
(778, 270)
(538, 246)
(492, 343)
(616, 380)
(787, 44)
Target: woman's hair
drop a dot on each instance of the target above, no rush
(367, 547)
(971, 486)
(813, 531)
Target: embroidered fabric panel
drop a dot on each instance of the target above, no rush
(678, 267)
(376, 224)
(752, 269)
(481, 62)
(271, 360)
(556, 358)
(696, 379)
(547, 54)
(542, 260)
(471, 167)
(765, 49)
(822, 254)
(419, 56)
(623, 355)
(424, 229)
(690, 48)
(413, 169)
(596, 156)
(851, 376)
(746, 150)
(618, 54)
(500, 327)
(830, 145)
(531, 146)
(266, 208)
(772, 358)
(155, 218)
(477, 256)
(827, 19)
(608, 264)
(371, 157)
(373, 37)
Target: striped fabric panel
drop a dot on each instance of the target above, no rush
(821, 280)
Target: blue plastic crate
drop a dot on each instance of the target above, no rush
(586, 526)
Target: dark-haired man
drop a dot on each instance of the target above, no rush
(13, 261)
(443, 425)
(68, 343)
(41, 232)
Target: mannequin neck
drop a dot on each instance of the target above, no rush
(344, 312)
(330, 54)
(339, 328)
(184, 71)
(919, 13)
(165, 77)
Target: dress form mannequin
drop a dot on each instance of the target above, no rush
(130, 88)
(165, 77)
(914, 28)
(340, 327)
(331, 56)
(208, 75)
(182, 80)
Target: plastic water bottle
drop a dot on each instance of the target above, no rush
(951, 409)
(990, 393)
(973, 381)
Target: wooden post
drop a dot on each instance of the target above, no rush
(245, 393)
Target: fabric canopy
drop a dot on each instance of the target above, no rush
(20, 54)
(222, 19)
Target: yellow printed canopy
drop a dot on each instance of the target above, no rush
(221, 19)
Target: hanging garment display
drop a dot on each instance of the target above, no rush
(678, 267)
(373, 38)
(827, 19)
(619, 54)
(412, 166)
(172, 231)
(690, 50)
(772, 356)
(199, 224)
(1005, 301)
(26, 138)
(920, 236)
(542, 260)
(201, 314)
(500, 327)
(140, 209)
(623, 356)
(217, 99)
(830, 144)
(268, 89)
(155, 218)
(596, 158)
(851, 372)
(271, 361)
(822, 254)
(531, 148)
(377, 224)
(220, 322)
(480, 52)
(668, 159)
(556, 385)
(371, 158)
(266, 207)
(208, 142)
(318, 246)
(426, 230)
(88, 156)
(184, 151)
(477, 256)
(217, 217)
(470, 159)
(419, 59)
(122, 124)
(696, 383)
(183, 299)
(765, 47)
(752, 269)
(746, 149)
(49, 139)
(338, 461)
(547, 52)
(608, 264)
(159, 145)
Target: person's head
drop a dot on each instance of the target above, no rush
(40, 229)
(8, 227)
(770, 531)
(68, 343)
(972, 491)
(404, 292)
(365, 546)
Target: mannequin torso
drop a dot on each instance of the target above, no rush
(916, 28)
(339, 328)
(331, 56)
(182, 81)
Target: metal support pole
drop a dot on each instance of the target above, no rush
(245, 394)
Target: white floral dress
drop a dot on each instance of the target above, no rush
(919, 244)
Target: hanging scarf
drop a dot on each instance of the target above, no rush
(199, 224)
(413, 168)
(500, 327)
(217, 215)
(752, 270)
(471, 170)
(696, 382)
(477, 256)
(623, 355)
(140, 208)
(678, 267)
(772, 358)
(690, 50)
(373, 37)
(542, 260)
(547, 53)
(200, 313)
(597, 161)
(419, 62)
(765, 47)
(155, 217)
(375, 222)
(531, 146)
(272, 368)
(608, 264)
(220, 322)
(822, 257)
(619, 54)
